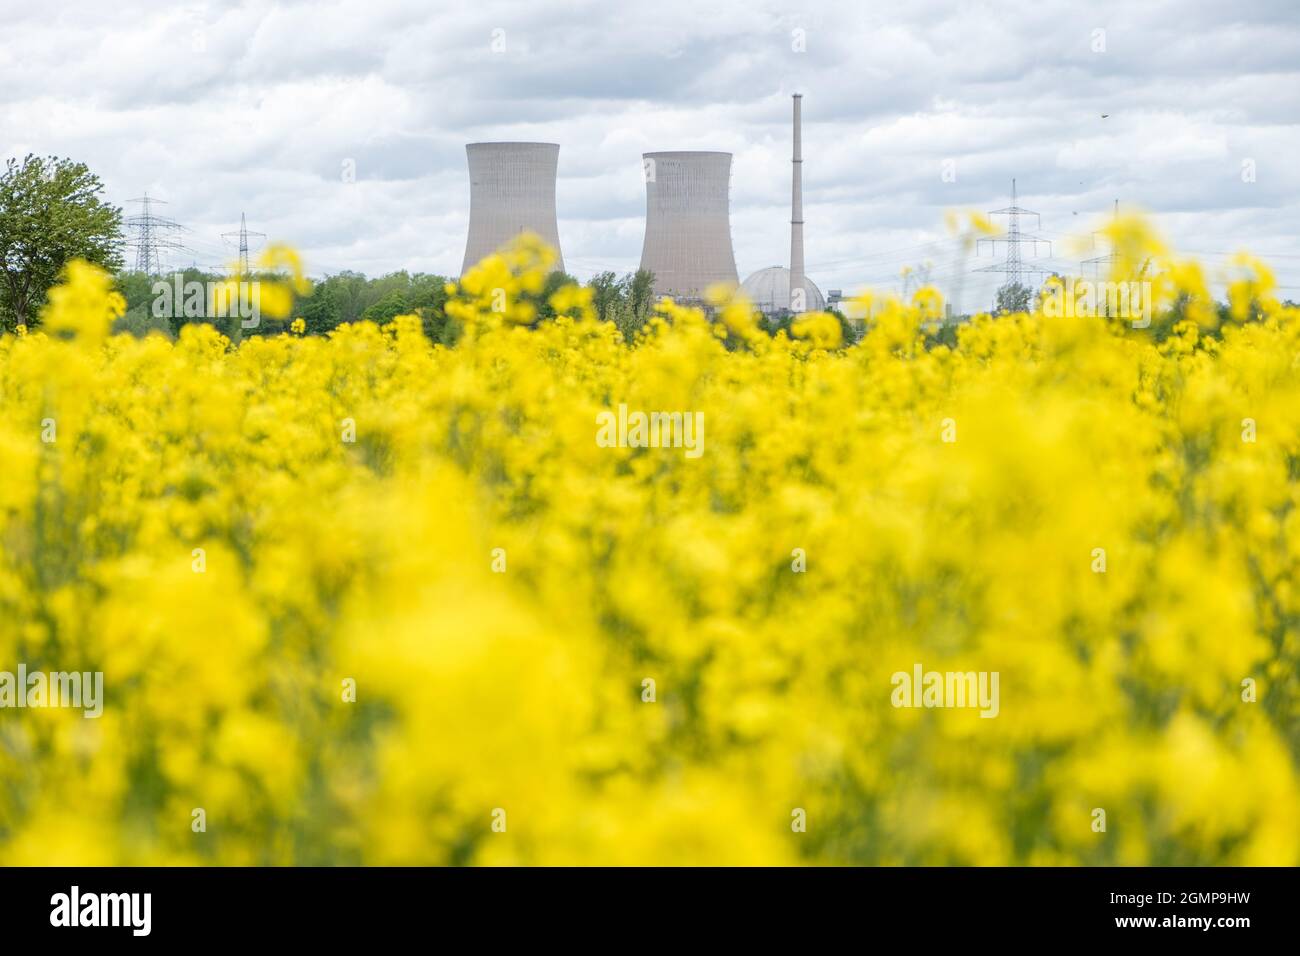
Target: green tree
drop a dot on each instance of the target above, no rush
(1013, 297)
(555, 281)
(185, 310)
(50, 213)
(428, 299)
(137, 289)
(641, 293)
(320, 310)
(388, 308)
(351, 297)
(626, 302)
(147, 310)
(607, 295)
(351, 293)
(140, 322)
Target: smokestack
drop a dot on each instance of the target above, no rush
(511, 190)
(688, 222)
(798, 291)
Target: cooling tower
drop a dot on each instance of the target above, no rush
(511, 190)
(688, 222)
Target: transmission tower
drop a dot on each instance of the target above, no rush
(1014, 266)
(152, 235)
(1097, 262)
(242, 236)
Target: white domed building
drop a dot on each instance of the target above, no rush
(769, 290)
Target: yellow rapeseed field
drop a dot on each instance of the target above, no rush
(366, 599)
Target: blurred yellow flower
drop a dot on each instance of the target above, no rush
(366, 599)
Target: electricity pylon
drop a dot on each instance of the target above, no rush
(1014, 266)
(152, 235)
(243, 235)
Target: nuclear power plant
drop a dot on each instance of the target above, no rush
(775, 290)
(511, 190)
(688, 222)
(687, 242)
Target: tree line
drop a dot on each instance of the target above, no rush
(345, 297)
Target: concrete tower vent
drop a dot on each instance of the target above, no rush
(511, 190)
(688, 222)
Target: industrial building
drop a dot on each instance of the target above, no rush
(688, 222)
(511, 190)
(769, 290)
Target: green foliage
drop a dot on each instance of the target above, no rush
(626, 301)
(351, 297)
(606, 294)
(388, 308)
(139, 290)
(850, 331)
(333, 301)
(136, 288)
(141, 322)
(50, 213)
(555, 281)
(944, 334)
(1013, 297)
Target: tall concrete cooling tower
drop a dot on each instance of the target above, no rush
(511, 190)
(688, 222)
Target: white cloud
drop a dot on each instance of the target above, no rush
(221, 108)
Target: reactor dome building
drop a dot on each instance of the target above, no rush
(511, 190)
(769, 290)
(688, 222)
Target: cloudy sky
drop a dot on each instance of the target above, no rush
(259, 107)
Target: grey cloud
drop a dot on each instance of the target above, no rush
(224, 107)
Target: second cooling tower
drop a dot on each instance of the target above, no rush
(511, 190)
(688, 222)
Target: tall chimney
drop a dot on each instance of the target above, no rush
(798, 302)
